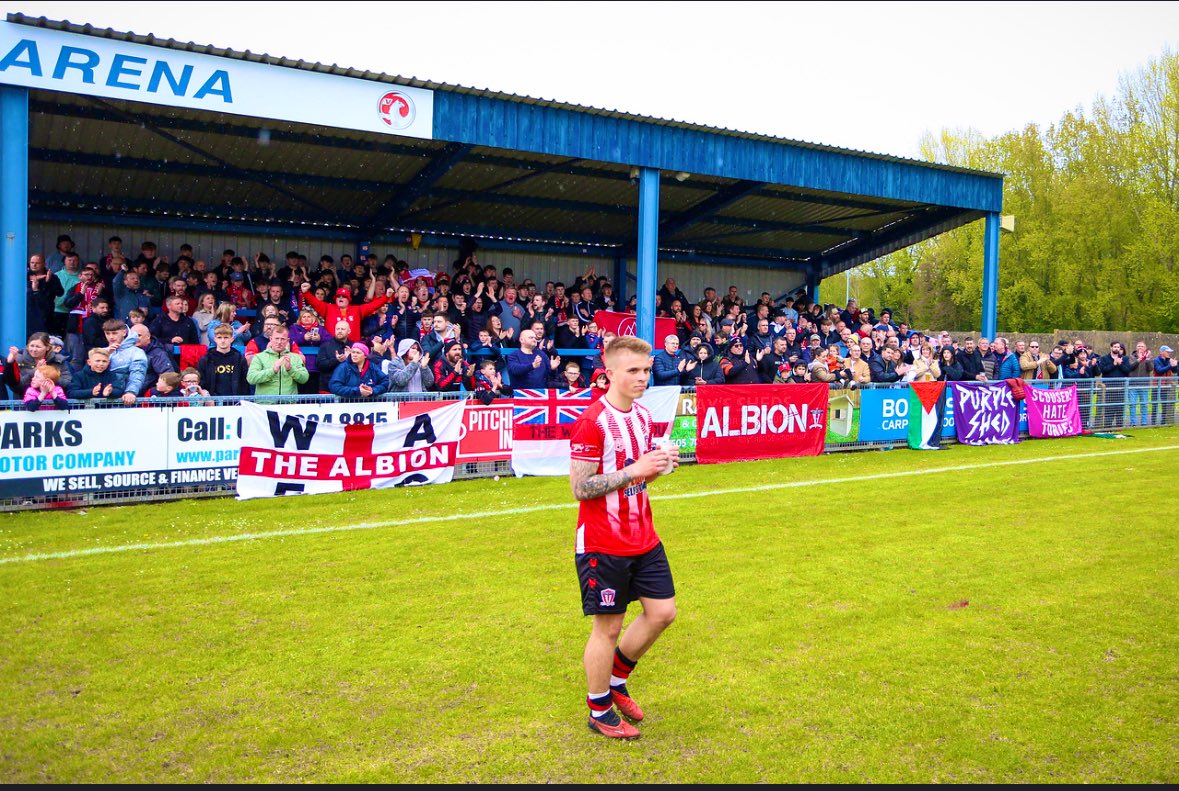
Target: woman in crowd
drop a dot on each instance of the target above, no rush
(357, 377)
(227, 314)
(950, 369)
(925, 368)
(23, 365)
(206, 311)
(498, 333)
(307, 331)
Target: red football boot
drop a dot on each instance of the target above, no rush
(623, 730)
(627, 706)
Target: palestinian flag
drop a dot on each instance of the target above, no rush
(927, 407)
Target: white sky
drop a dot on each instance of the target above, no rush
(868, 76)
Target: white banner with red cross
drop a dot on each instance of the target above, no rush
(287, 451)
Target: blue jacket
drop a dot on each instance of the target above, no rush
(130, 361)
(347, 379)
(665, 368)
(1162, 366)
(1007, 366)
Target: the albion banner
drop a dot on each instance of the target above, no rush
(745, 422)
(287, 453)
(985, 413)
(1053, 413)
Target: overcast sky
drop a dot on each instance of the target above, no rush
(865, 76)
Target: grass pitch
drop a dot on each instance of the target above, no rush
(1004, 623)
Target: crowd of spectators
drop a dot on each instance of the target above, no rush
(123, 326)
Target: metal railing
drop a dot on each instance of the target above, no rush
(1105, 405)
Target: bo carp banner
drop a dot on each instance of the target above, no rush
(747, 422)
(985, 413)
(1053, 413)
(288, 453)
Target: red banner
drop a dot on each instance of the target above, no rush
(624, 324)
(749, 422)
(486, 433)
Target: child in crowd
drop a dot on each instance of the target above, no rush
(136, 316)
(599, 383)
(190, 387)
(96, 379)
(167, 386)
(44, 390)
(489, 384)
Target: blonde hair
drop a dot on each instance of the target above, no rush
(626, 343)
(225, 312)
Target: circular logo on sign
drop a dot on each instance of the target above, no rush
(396, 110)
(627, 327)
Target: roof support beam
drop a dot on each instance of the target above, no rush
(231, 168)
(441, 164)
(196, 170)
(719, 201)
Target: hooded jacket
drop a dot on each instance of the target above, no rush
(709, 369)
(401, 373)
(130, 361)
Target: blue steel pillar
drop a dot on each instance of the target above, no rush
(990, 294)
(648, 255)
(14, 213)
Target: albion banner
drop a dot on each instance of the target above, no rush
(985, 413)
(746, 422)
(1053, 413)
(287, 453)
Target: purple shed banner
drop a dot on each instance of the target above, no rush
(1053, 413)
(985, 413)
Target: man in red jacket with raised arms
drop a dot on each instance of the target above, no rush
(344, 310)
(619, 557)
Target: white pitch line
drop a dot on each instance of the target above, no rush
(307, 531)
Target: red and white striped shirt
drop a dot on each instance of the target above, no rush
(619, 523)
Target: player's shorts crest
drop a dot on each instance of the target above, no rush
(607, 597)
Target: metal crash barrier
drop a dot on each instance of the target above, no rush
(102, 452)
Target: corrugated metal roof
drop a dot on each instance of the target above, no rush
(415, 82)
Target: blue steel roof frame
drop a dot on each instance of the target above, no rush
(485, 121)
(471, 117)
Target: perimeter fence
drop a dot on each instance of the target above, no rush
(184, 448)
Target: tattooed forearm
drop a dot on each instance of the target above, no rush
(588, 486)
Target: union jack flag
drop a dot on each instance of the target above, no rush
(549, 407)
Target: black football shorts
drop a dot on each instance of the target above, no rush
(610, 582)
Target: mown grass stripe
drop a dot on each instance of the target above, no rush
(306, 531)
